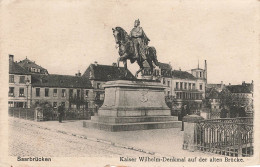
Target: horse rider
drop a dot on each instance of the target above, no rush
(140, 40)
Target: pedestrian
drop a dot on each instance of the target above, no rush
(60, 112)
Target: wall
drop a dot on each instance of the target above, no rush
(17, 85)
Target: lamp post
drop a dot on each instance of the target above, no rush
(27, 85)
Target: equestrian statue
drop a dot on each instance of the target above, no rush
(135, 47)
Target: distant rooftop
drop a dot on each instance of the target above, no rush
(182, 75)
(244, 88)
(107, 73)
(60, 81)
(32, 67)
(14, 68)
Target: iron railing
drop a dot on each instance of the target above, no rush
(228, 136)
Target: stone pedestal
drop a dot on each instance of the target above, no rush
(189, 131)
(133, 105)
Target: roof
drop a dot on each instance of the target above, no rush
(244, 88)
(182, 75)
(161, 65)
(14, 68)
(212, 93)
(214, 85)
(196, 69)
(107, 73)
(28, 64)
(60, 81)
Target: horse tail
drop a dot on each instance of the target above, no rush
(154, 56)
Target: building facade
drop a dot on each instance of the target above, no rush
(19, 85)
(99, 74)
(31, 84)
(182, 87)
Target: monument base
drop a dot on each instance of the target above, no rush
(133, 105)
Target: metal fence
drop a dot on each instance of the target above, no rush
(228, 136)
(24, 113)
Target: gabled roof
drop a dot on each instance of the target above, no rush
(212, 93)
(196, 69)
(244, 88)
(60, 81)
(14, 68)
(182, 75)
(28, 64)
(107, 73)
(214, 85)
(164, 66)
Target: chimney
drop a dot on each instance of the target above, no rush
(206, 72)
(78, 74)
(229, 83)
(243, 82)
(11, 58)
(252, 82)
(180, 68)
(114, 65)
(221, 87)
(96, 63)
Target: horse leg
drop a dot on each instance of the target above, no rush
(125, 67)
(153, 56)
(118, 60)
(150, 62)
(141, 68)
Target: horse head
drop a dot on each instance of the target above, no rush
(120, 35)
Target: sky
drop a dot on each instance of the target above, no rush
(65, 36)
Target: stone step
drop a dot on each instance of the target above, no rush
(119, 120)
(131, 126)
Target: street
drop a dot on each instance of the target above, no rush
(28, 140)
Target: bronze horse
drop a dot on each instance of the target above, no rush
(126, 51)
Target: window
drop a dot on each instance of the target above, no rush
(200, 74)
(189, 85)
(21, 92)
(86, 93)
(185, 85)
(55, 92)
(22, 79)
(168, 93)
(177, 85)
(46, 92)
(163, 80)
(11, 91)
(193, 86)
(78, 93)
(181, 85)
(168, 83)
(10, 104)
(11, 78)
(54, 104)
(63, 93)
(37, 92)
(200, 86)
(71, 93)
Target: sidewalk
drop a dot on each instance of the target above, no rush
(166, 142)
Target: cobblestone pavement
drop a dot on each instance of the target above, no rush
(25, 139)
(70, 138)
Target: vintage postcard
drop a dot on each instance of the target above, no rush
(118, 83)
